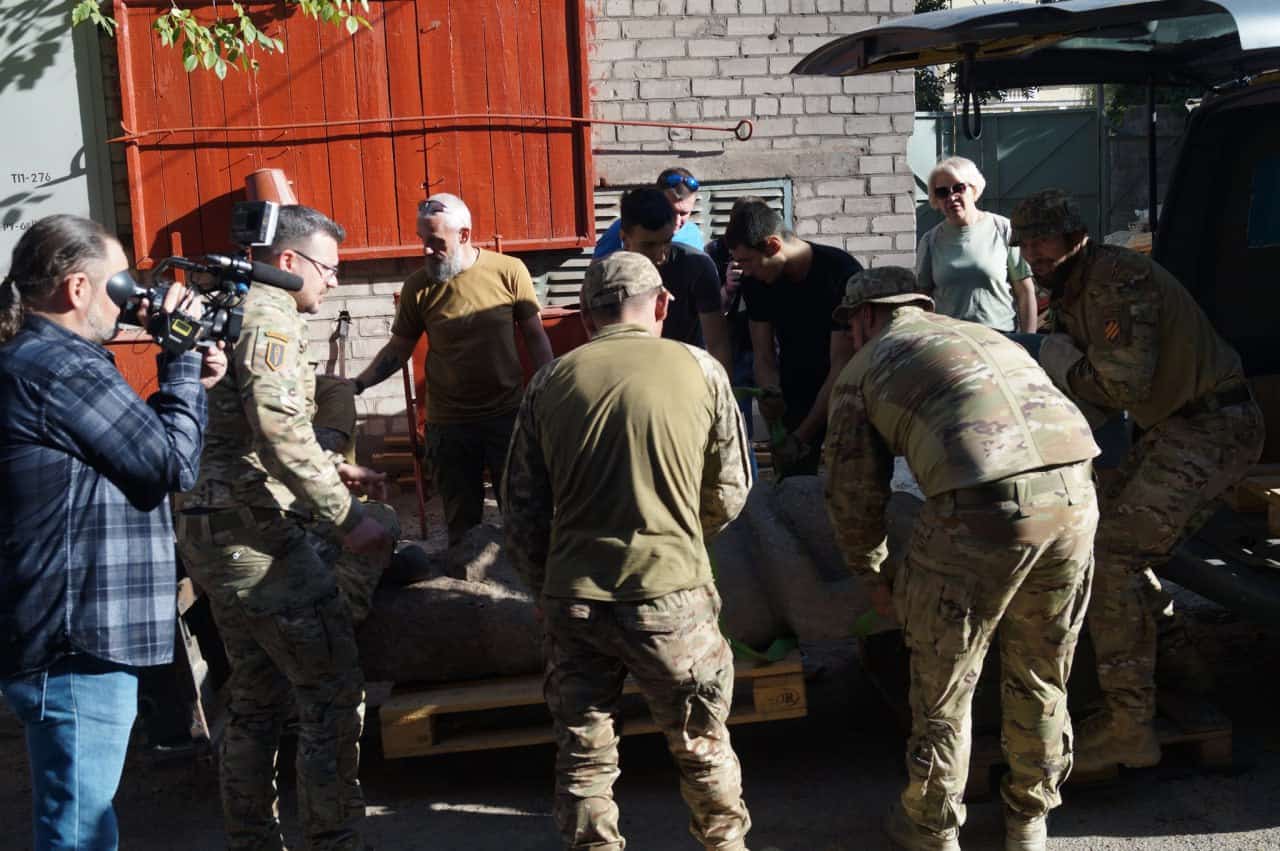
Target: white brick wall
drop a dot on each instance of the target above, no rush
(841, 141)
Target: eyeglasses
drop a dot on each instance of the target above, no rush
(671, 181)
(431, 207)
(327, 272)
(944, 192)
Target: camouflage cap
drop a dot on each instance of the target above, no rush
(882, 285)
(1045, 213)
(618, 277)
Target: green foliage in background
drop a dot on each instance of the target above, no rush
(229, 41)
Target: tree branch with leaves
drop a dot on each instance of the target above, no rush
(228, 41)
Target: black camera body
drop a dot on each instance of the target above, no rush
(222, 280)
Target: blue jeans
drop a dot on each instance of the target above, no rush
(77, 716)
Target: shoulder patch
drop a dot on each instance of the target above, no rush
(273, 349)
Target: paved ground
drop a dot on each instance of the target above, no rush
(817, 784)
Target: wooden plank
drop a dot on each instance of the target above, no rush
(562, 144)
(213, 163)
(377, 154)
(338, 68)
(470, 75)
(530, 72)
(312, 184)
(133, 53)
(267, 91)
(501, 45)
(176, 154)
(435, 47)
(405, 98)
(410, 728)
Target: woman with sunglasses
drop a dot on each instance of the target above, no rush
(966, 262)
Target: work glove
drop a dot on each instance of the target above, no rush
(772, 406)
(1058, 354)
(788, 454)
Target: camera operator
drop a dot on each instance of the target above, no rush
(244, 537)
(87, 576)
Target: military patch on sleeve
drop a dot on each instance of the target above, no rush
(1115, 329)
(273, 351)
(1111, 330)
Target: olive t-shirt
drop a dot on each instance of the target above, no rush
(473, 366)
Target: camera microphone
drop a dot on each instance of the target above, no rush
(253, 270)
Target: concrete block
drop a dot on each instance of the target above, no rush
(725, 6)
(820, 125)
(845, 24)
(765, 45)
(889, 184)
(717, 88)
(804, 7)
(874, 164)
(635, 111)
(767, 85)
(869, 84)
(713, 47)
(906, 259)
(841, 187)
(697, 7)
(651, 89)
(879, 6)
(828, 5)
(816, 104)
(648, 29)
(803, 25)
(782, 65)
(766, 106)
(744, 67)
(661, 48)
(617, 8)
(767, 127)
(751, 7)
(641, 134)
(691, 68)
(740, 107)
(898, 103)
(893, 143)
(671, 7)
(893, 223)
(840, 104)
(644, 8)
(805, 44)
(819, 207)
(842, 224)
(862, 245)
(660, 110)
(714, 107)
(689, 110)
(635, 69)
(806, 227)
(868, 205)
(616, 90)
(762, 25)
(791, 105)
(777, 7)
(904, 81)
(611, 50)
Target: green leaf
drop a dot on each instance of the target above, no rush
(353, 24)
(221, 69)
(190, 63)
(265, 40)
(210, 57)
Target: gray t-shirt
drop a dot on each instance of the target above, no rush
(969, 271)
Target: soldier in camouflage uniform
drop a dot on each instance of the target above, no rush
(244, 539)
(1004, 539)
(628, 453)
(1126, 335)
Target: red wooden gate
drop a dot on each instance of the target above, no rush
(367, 125)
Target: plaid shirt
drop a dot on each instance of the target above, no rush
(86, 535)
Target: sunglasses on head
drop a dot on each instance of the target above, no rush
(671, 181)
(430, 208)
(948, 191)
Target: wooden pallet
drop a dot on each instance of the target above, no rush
(510, 712)
(1185, 725)
(1256, 493)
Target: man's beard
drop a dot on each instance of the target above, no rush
(101, 328)
(1056, 280)
(444, 269)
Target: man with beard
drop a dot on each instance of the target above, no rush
(1126, 335)
(465, 300)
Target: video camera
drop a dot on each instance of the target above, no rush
(223, 280)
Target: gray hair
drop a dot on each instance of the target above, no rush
(298, 224)
(964, 169)
(451, 208)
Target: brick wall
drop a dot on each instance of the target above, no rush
(842, 142)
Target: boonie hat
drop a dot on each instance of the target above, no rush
(620, 276)
(1045, 213)
(881, 285)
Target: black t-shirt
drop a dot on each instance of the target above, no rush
(801, 315)
(739, 333)
(691, 277)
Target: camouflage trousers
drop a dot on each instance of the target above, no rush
(673, 648)
(976, 562)
(1162, 493)
(289, 640)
